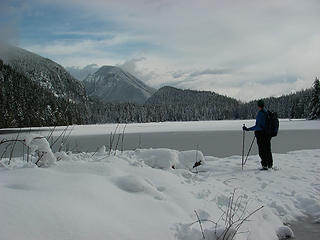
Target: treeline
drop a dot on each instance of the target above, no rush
(295, 105)
(130, 112)
(171, 104)
(25, 103)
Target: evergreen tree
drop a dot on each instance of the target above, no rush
(315, 100)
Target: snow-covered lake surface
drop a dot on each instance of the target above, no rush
(192, 126)
(138, 195)
(213, 138)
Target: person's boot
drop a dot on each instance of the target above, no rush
(264, 168)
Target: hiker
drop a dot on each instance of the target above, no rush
(263, 139)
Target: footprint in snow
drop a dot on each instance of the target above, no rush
(136, 184)
(161, 189)
(19, 187)
(264, 185)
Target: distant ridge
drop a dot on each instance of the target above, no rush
(112, 84)
(172, 95)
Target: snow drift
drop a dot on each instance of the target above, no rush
(152, 194)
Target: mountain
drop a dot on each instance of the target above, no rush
(45, 72)
(81, 73)
(24, 103)
(112, 84)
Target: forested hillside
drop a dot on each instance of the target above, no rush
(45, 72)
(24, 103)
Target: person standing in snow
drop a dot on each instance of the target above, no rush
(263, 139)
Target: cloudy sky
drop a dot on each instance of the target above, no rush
(242, 48)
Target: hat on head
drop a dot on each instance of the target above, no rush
(260, 103)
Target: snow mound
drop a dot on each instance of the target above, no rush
(41, 147)
(284, 232)
(166, 158)
(158, 158)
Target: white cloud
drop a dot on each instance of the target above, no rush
(261, 43)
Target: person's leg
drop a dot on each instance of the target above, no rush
(269, 153)
(262, 148)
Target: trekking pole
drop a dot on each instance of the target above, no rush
(242, 148)
(249, 150)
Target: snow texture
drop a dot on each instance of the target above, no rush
(138, 195)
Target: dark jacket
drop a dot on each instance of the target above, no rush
(260, 121)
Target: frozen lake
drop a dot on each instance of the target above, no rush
(211, 143)
(213, 138)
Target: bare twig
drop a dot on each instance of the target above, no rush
(204, 220)
(116, 147)
(28, 152)
(95, 152)
(68, 136)
(5, 151)
(22, 152)
(112, 138)
(247, 217)
(50, 133)
(115, 132)
(122, 140)
(63, 132)
(40, 156)
(62, 139)
(13, 147)
(139, 143)
(232, 217)
(110, 143)
(199, 221)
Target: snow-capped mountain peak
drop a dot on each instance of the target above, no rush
(111, 83)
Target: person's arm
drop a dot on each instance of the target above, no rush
(260, 123)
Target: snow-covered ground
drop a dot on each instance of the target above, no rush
(139, 195)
